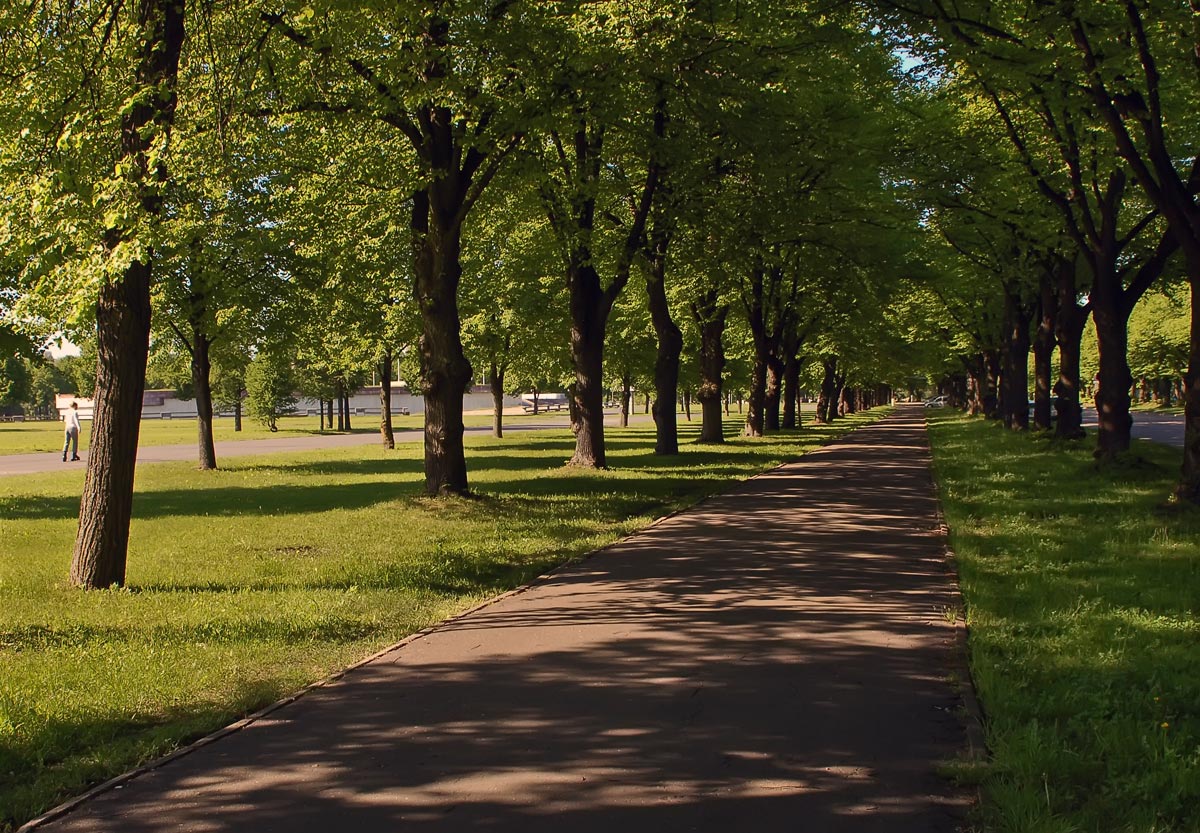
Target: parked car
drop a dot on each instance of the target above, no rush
(937, 401)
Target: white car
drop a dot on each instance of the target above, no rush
(937, 402)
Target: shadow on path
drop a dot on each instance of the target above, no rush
(774, 659)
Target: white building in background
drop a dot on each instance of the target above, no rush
(162, 404)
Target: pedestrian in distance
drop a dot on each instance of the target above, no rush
(71, 418)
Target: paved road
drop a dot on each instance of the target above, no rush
(774, 659)
(35, 463)
(1159, 428)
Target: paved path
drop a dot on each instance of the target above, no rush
(774, 659)
(1160, 428)
(52, 461)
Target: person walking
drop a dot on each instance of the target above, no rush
(71, 418)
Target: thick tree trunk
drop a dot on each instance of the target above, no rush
(992, 372)
(1188, 488)
(839, 399)
(445, 371)
(755, 410)
(385, 401)
(1043, 353)
(123, 343)
(710, 317)
(496, 381)
(1015, 373)
(666, 361)
(1114, 422)
(123, 314)
(791, 393)
(773, 393)
(237, 414)
(825, 399)
(590, 307)
(346, 408)
(202, 388)
(1072, 318)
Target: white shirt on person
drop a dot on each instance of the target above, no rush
(71, 417)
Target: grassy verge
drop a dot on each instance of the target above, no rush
(249, 582)
(1082, 592)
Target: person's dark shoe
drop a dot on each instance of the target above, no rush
(64, 458)
(76, 458)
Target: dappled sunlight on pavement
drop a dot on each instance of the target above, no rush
(774, 659)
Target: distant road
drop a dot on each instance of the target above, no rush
(1159, 428)
(52, 461)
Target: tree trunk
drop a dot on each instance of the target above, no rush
(1188, 488)
(791, 393)
(123, 314)
(755, 410)
(496, 381)
(991, 384)
(123, 343)
(202, 387)
(710, 317)
(825, 399)
(1015, 373)
(666, 361)
(237, 414)
(1072, 318)
(840, 396)
(626, 399)
(385, 401)
(773, 392)
(1043, 352)
(1114, 423)
(346, 408)
(590, 307)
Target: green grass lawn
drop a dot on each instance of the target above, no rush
(1082, 592)
(246, 583)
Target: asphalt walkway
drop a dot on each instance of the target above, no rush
(776, 658)
(12, 464)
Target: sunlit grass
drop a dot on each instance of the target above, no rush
(1082, 591)
(246, 583)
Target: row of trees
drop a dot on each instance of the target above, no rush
(453, 179)
(1064, 193)
(579, 194)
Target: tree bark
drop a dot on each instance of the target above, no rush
(791, 393)
(1043, 351)
(773, 392)
(385, 401)
(1069, 325)
(590, 308)
(123, 315)
(670, 346)
(237, 414)
(496, 381)
(1015, 373)
(992, 372)
(710, 317)
(825, 399)
(202, 388)
(445, 371)
(626, 399)
(1114, 422)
